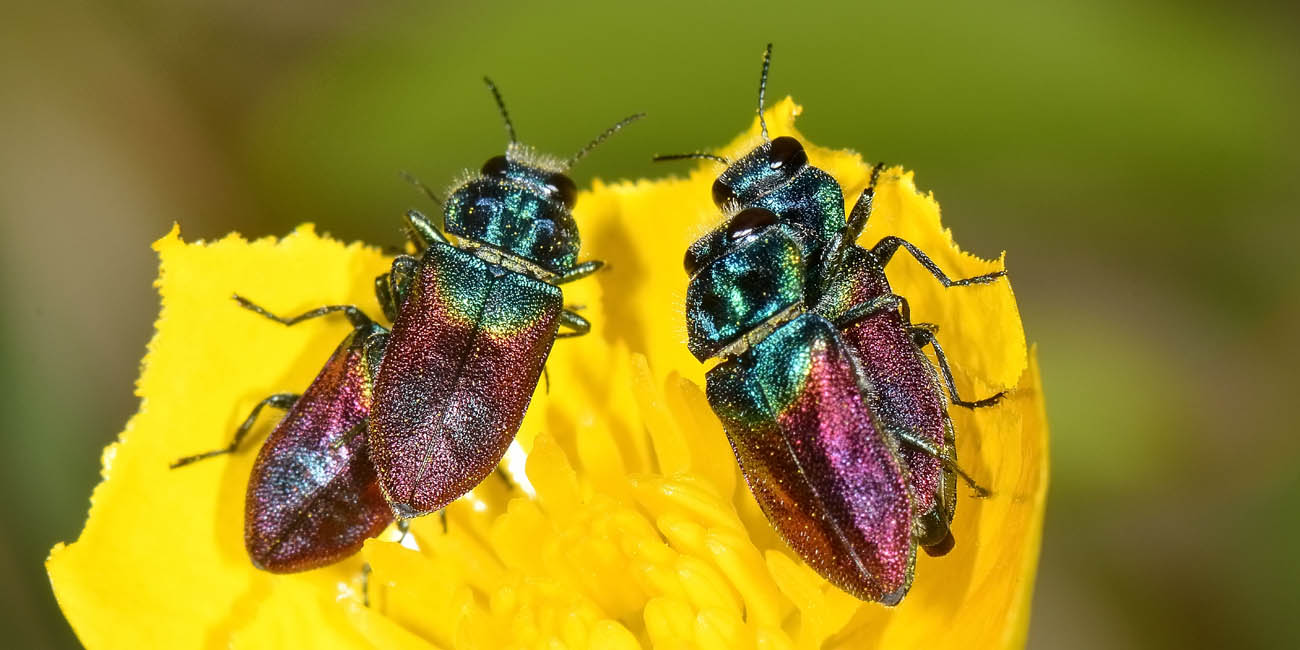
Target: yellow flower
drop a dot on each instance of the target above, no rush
(639, 531)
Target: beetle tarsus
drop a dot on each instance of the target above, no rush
(885, 248)
(282, 401)
(355, 315)
(907, 437)
(923, 334)
(576, 324)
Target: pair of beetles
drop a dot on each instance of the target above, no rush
(837, 417)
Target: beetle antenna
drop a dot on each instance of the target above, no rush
(762, 90)
(602, 137)
(421, 186)
(501, 105)
(693, 155)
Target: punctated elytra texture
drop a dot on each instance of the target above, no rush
(312, 498)
(463, 359)
(810, 449)
(737, 316)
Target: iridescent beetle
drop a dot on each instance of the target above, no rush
(473, 323)
(312, 498)
(844, 518)
(314, 495)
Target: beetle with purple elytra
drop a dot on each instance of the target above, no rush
(773, 192)
(312, 496)
(473, 324)
(399, 424)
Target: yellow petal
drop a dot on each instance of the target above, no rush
(161, 561)
(641, 532)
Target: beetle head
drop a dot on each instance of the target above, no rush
(519, 203)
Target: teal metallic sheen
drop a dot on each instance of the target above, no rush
(517, 209)
(835, 413)
(796, 412)
(733, 294)
(804, 198)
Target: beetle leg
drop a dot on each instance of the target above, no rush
(505, 477)
(924, 334)
(365, 584)
(580, 271)
(908, 438)
(385, 296)
(566, 318)
(932, 530)
(887, 302)
(283, 401)
(887, 246)
(920, 330)
(422, 231)
(356, 430)
(355, 316)
(574, 322)
(392, 288)
(857, 221)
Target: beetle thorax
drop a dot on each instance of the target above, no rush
(729, 297)
(519, 206)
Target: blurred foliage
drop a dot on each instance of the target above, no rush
(1135, 158)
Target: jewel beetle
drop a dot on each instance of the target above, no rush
(312, 497)
(796, 408)
(473, 324)
(908, 394)
(844, 285)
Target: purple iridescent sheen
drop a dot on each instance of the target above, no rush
(796, 411)
(908, 397)
(312, 498)
(464, 356)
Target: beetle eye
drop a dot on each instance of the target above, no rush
(722, 193)
(692, 261)
(748, 221)
(495, 166)
(786, 153)
(563, 189)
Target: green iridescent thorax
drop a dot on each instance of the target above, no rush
(729, 296)
(769, 378)
(520, 208)
(776, 176)
(462, 283)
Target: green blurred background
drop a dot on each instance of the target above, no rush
(1136, 159)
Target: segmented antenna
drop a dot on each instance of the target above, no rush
(693, 155)
(762, 90)
(501, 105)
(421, 186)
(602, 137)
